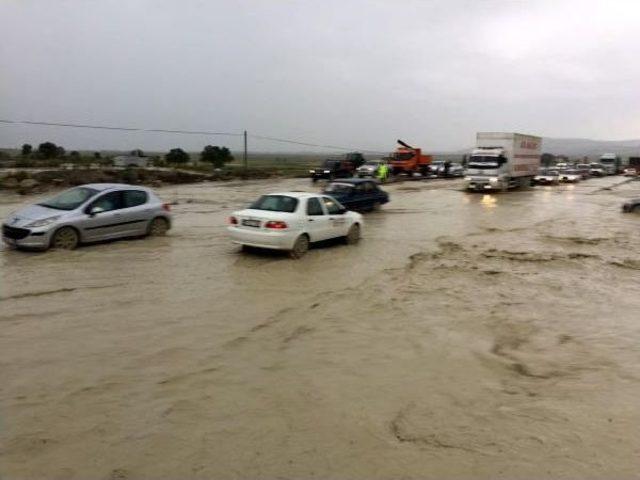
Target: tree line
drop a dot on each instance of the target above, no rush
(213, 154)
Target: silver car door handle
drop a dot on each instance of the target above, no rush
(311, 219)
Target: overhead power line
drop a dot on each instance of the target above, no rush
(295, 142)
(123, 129)
(186, 132)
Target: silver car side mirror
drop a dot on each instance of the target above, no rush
(95, 210)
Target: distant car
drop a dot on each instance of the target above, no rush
(584, 169)
(456, 170)
(570, 176)
(331, 169)
(436, 167)
(630, 172)
(631, 206)
(290, 221)
(88, 213)
(597, 170)
(357, 194)
(547, 177)
(369, 168)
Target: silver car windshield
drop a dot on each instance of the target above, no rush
(70, 199)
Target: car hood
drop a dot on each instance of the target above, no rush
(31, 213)
(368, 167)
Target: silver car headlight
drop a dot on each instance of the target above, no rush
(43, 222)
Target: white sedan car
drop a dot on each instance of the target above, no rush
(292, 220)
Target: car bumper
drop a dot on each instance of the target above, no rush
(26, 238)
(478, 184)
(277, 240)
(322, 176)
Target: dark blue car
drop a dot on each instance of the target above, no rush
(357, 193)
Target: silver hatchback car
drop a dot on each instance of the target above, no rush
(88, 213)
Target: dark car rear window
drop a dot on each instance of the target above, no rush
(276, 203)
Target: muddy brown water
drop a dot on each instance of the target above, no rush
(466, 336)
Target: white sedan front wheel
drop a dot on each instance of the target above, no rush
(353, 235)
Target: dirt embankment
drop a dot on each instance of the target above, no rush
(25, 182)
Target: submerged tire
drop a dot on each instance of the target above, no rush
(353, 235)
(158, 227)
(300, 247)
(65, 238)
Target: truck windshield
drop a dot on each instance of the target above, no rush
(481, 161)
(403, 155)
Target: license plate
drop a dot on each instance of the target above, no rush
(251, 223)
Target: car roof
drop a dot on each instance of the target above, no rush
(295, 194)
(109, 186)
(354, 180)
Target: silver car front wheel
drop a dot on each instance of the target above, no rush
(65, 238)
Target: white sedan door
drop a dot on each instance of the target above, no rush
(338, 222)
(318, 224)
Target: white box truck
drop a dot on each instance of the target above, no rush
(503, 160)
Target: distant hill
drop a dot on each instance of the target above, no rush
(578, 147)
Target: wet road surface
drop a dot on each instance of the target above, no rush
(466, 336)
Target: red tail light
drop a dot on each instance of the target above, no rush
(166, 207)
(233, 220)
(275, 225)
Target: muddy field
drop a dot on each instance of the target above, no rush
(466, 336)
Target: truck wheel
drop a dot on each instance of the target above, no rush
(300, 247)
(353, 236)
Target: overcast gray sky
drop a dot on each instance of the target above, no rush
(343, 72)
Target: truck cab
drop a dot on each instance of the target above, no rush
(503, 160)
(407, 159)
(332, 168)
(486, 169)
(610, 163)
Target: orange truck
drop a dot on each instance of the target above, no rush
(410, 160)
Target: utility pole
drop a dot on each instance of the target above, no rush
(246, 165)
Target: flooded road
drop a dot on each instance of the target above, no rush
(466, 336)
